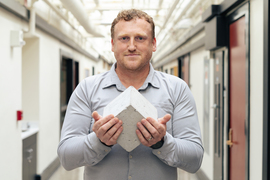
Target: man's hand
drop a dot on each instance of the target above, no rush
(107, 128)
(151, 131)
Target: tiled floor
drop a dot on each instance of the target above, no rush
(77, 174)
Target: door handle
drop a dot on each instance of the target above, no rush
(29, 151)
(229, 142)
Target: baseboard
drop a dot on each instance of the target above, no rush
(201, 175)
(48, 172)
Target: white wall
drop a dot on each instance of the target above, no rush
(49, 90)
(197, 86)
(30, 81)
(197, 78)
(10, 99)
(49, 119)
(256, 88)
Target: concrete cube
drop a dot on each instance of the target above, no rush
(130, 107)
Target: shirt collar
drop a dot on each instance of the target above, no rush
(151, 79)
(112, 79)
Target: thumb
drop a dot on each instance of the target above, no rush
(96, 116)
(165, 119)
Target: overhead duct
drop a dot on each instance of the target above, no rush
(77, 9)
(168, 16)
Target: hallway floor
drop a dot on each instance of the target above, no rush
(77, 174)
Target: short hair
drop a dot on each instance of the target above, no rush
(130, 14)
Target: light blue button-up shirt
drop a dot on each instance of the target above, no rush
(182, 148)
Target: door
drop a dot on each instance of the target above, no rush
(69, 81)
(218, 113)
(237, 100)
(183, 70)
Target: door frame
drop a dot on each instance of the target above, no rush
(232, 17)
(223, 109)
(266, 88)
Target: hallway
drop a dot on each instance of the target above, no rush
(219, 48)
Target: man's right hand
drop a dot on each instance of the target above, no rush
(107, 128)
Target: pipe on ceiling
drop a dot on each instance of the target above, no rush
(77, 9)
(32, 22)
(168, 15)
(97, 2)
(160, 55)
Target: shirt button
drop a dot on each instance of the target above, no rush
(158, 152)
(129, 177)
(130, 157)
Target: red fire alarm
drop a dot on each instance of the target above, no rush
(19, 115)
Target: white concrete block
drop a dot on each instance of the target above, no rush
(130, 107)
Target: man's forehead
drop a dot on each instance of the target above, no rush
(133, 21)
(121, 34)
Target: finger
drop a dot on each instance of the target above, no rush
(144, 131)
(152, 126)
(153, 122)
(141, 138)
(96, 116)
(110, 133)
(165, 119)
(116, 135)
(98, 124)
(106, 127)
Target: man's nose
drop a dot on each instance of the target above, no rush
(132, 45)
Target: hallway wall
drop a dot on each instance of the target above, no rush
(197, 88)
(10, 98)
(49, 104)
(37, 92)
(256, 88)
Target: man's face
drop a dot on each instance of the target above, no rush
(133, 44)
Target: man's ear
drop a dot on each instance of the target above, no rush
(154, 44)
(112, 44)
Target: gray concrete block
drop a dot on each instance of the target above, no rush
(130, 107)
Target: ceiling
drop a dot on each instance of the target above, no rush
(171, 17)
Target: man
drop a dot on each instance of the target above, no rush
(172, 141)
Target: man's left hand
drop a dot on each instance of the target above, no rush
(151, 131)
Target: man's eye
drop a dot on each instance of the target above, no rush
(124, 38)
(140, 38)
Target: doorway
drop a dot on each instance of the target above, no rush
(69, 80)
(238, 129)
(183, 70)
